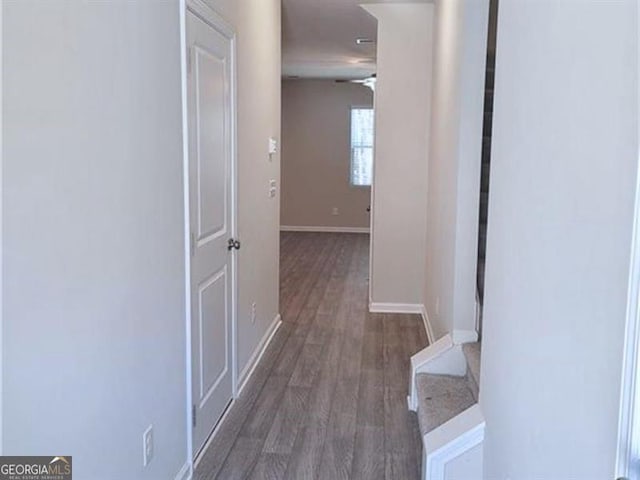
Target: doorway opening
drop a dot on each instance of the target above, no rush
(329, 74)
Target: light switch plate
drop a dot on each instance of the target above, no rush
(273, 146)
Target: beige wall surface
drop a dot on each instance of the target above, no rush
(403, 106)
(460, 40)
(316, 154)
(93, 278)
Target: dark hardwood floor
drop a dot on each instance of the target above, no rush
(329, 398)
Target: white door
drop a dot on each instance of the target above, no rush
(211, 218)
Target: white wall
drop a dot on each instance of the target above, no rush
(460, 43)
(1, 238)
(316, 154)
(257, 23)
(94, 344)
(563, 171)
(93, 279)
(402, 102)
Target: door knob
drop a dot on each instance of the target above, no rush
(233, 243)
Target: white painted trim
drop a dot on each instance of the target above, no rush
(209, 16)
(450, 440)
(420, 359)
(442, 358)
(376, 307)
(427, 324)
(629, 395)
(464, 336)
(186, 233)
(185, 472)
(253, 362)
(303, 228)
(450, 362)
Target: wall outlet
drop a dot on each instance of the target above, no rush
(147, 446)
(335, 211)
(253, 312)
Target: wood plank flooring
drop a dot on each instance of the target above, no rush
(328, 400)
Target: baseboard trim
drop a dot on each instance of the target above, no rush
(185, 472)
(427, 325)
(304, 228)
(248, 370)
(377, 307)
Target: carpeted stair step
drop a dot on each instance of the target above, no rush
(440, 398)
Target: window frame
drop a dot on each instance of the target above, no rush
(351, 148)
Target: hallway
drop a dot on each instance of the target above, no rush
(328, 400)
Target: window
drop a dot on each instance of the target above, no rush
(361, 146)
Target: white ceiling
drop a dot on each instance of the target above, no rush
(319, 39)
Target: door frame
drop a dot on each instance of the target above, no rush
(217, 22)
(629, 388)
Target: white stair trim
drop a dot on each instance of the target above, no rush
(450, 440)
(442, 358)
(427, 324)
(464, 336)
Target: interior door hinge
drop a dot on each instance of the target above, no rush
(188, 60)
(193, 415)
(192, 244)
